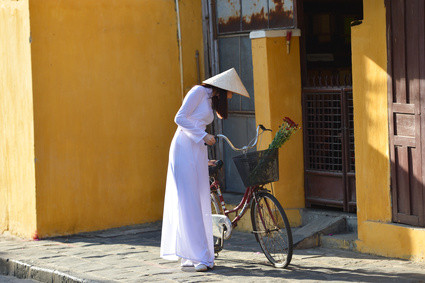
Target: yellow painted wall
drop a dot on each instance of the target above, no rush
(192, 40)
(392, 240)
(376, 232)
(17, 176)
(106, 89)
(371, 114)
(277, 86)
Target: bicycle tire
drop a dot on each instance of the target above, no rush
(275, 240)
(216, 209)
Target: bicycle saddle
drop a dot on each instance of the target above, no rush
(213, 169)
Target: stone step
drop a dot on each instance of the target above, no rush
(309, 214)
(325, 228)
(308, 236)
(345, 241)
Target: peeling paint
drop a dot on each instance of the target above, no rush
(228, 15)
(244, 15)
(281, 13)
(255, 15)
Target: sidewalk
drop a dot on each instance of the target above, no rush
(131, 254)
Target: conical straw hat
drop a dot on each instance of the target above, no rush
(228, 80)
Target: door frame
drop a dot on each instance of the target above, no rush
(398, 196)
(348, 202)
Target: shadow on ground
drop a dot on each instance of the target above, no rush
(242, 257)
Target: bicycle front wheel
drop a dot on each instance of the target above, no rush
(271, 229)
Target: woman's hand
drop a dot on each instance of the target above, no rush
(211, 162)
(209, 139)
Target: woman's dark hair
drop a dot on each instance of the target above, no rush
(219, 101)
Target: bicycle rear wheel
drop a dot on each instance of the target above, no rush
(271, 229)
(216, 209)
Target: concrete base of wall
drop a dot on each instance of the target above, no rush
(400, 241)
(340, 241)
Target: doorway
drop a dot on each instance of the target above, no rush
(227, 25)
(328, 102)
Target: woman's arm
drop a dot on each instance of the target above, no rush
(190, 102)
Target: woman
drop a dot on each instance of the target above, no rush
(187, 222)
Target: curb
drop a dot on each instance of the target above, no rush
(338, 241)
(23, 270)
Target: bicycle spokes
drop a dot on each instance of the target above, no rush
(270, 226)
(272, 230)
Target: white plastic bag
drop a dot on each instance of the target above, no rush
(219, 222)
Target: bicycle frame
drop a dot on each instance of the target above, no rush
(261, 214)
(243, 204)
(262, 218)
(249, 192)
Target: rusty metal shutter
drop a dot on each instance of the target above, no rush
(406, 64)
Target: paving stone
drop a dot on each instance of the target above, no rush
(131, 254)
(10, 279)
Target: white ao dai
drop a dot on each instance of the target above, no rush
(187, 223)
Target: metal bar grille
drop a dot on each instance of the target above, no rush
(351, 160)
(324, 129)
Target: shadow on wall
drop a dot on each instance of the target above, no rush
(375, 199)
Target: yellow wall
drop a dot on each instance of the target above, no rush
(371, 114)
(106, 79)
(392, 240)
(17, 176)
(277, 86)
(192, 40)
(376, 232)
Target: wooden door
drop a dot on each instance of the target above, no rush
(327, 94)
(406, 89)
(329, 146)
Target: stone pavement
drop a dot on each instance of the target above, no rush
(11, 279)
(131, 254)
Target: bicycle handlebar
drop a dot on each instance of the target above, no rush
(250, 145)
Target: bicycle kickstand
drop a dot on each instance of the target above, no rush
(219, 248)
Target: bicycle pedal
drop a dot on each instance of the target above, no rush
(218, 248)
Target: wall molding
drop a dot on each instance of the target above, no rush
(273, 33)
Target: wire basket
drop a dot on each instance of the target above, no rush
(258, 167)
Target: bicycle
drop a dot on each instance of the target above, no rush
(269, 222)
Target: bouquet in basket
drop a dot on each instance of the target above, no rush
(285, 131)
(266, 169)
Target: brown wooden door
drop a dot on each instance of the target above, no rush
(329, 146)
(328, 101)
(406, 89)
